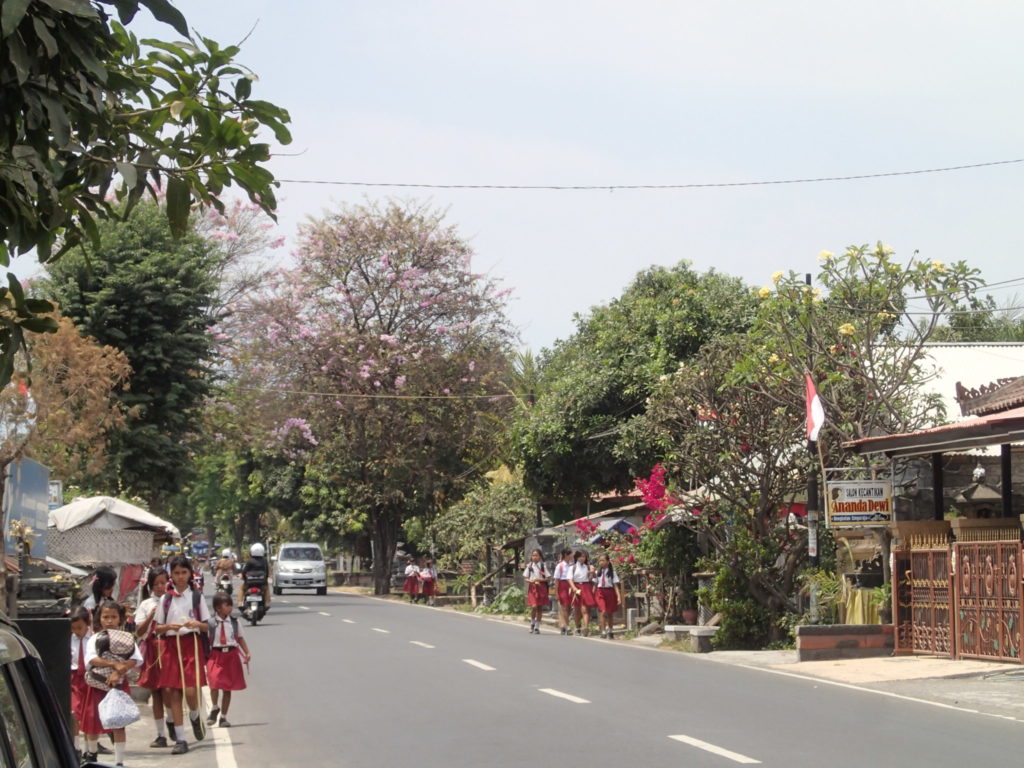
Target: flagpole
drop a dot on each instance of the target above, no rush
(812, 472)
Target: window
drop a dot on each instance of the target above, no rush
(15, 752)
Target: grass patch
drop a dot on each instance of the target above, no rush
(675, 645)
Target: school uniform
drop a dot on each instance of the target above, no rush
(224, 667)
(537, 594)
(89, 721)
(562, 578)
(607, 597)
(182, 650)
(149, 645)
(79, 688)
(428, 581)
(581, 579)
(411, 587)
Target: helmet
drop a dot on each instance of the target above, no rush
(225, 552)
(257, 550)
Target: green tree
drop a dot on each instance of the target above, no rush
(733, 417)
(148, 294)
(93, 118)
(580, 436)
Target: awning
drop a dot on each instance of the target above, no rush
(993, 429)
(108, 513)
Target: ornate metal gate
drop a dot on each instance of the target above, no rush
(923, 606)
(988, 599)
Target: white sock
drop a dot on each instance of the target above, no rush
(78, 741)
(118, 751)
(91, 745)
(193, 714)
(161, 727)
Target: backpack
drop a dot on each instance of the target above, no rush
(112, 645)
(212, 623)
(196, 599)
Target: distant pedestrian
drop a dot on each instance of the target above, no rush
(583, 590)
(563, 589)
(110, 640)
(536, 577)
(81, 631)
(182, 615)
(153, 651)
(428, 581)
(609, 595)
(227, 651)
(411, 585)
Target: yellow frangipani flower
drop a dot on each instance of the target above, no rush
(776, 276)
(938, 266)
(847, 329)
(825, 255)
(765, 292)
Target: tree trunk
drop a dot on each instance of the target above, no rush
(384, 533)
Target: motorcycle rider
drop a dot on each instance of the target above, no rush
(259, 568)
(225, 567)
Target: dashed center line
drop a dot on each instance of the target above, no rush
(304, 607)
(479, 665)
(562, 695)
(323, 613)
(348, 621)
(421, 645)
(720, 751)
(382, 631)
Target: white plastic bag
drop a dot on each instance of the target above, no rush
(117, 710)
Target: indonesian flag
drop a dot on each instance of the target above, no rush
(815, 413)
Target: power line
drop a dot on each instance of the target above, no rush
(614, 187)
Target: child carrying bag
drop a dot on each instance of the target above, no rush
(112, 645)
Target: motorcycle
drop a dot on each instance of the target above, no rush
(253, 607)
(224, 583)
(198, 580)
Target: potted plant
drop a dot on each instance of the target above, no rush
(881, 598)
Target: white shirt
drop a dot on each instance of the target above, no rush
(89, 603)
(179, 611)
(562, 571)
(535, 571)
(90, 651)
(581, 572)
(603, 580)
(75, 642)
(428, 574)
(229, 632)
(143, 611)
(411, 570)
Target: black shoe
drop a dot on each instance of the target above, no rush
(213, 716)
(89, 757)
(536, 630)
(101, 750)
(197, 729)
(224, 722)
(159, 742)
(180, 748)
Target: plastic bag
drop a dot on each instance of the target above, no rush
(118, 710)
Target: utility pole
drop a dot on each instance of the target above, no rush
(812, 472)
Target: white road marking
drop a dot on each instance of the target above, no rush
(479, 665)
(304, 607)
(223, 750)
(382, 631)
(561, 695)
(721, 752)
(421, 645)
(323, 613)
(348, 621)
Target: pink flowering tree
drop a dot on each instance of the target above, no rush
(393, 352)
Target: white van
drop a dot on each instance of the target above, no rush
(300, 565)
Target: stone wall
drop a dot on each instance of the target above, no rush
(824, 642)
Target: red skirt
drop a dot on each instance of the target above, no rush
(411, 585)
(225, 670)
(78, 692)
(89, 722)
(152, 662)
(170, 672)
(586, 596)
(428, 587)
(607, 600)
(537, 596)
(564, 593)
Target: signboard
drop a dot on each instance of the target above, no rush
(27, 498)
(858, 503)
(56, 494)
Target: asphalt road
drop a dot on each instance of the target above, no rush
(345, 680)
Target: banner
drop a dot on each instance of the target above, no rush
(858, 503)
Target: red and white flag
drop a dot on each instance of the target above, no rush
(815, 413)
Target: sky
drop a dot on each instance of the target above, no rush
(587, 92)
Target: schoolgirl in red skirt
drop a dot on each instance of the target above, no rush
(428, 580)
(152, 650)
(81, 631)
(227, 651)
(180, 618)
(582, 586)
(563, 590)
(536, 578)
(411, 585)
(609, 595)
(111, 617)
